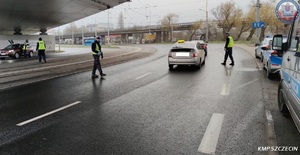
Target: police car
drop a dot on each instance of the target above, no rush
(289, 86)
(272, 59)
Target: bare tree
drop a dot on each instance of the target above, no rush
(121, 21)
(168, 23)
(71, 28)
(196, 26)
(227, 15)
(267, 16)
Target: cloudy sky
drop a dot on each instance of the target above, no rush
(137, 11)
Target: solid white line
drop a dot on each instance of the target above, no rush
(211, 136)
(142, 76)
(225, 89)
(47, 114)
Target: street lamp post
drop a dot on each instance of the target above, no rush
(150, 18)
(206, 30)
(258, 19)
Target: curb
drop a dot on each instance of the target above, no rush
(271, 137)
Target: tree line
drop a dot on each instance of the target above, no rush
(228, 17)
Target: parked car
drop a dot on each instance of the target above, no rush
(203, 45)
(15, 51)
(272, 59)
(264, 44)
(188, 53)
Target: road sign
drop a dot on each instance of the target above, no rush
(256, 25)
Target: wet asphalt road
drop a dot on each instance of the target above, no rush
(139, 108)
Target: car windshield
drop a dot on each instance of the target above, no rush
(9, 47)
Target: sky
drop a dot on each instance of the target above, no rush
(144, 12)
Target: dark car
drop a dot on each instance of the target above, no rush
(203, 45)
(15, 51)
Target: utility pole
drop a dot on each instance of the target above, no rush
(206, 33)
(258, 20)
(108, 27)
(82, 35)
(59, 38)
(95, 27)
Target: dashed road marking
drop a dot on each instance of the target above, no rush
(225, 89)
(143, 76)
(48, 113)
(211, 136)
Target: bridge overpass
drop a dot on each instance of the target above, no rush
(27, 17)
(158, 30)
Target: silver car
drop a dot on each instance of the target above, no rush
(186, 53)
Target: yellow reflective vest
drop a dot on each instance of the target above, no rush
(97, 49)
(230, 44)
(24, 47)
(42, 45)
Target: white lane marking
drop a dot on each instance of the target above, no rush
(47, 114)
(143, 76)
(228, 72)
(225, 89)
(211, 136)
(62, 65)
(269, 116)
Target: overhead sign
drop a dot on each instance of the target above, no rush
(287, 11)
(256, 25)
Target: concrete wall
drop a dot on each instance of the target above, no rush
(32, 40)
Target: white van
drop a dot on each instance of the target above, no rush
(289, 86)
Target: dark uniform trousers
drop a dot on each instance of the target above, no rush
(97, 64)
(228, 52)
(41, 54)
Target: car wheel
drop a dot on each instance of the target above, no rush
(17, 56)
(171, 67)
(256, 56)
(281, 103)
(203, 63)
(269, 74)
(30, 54)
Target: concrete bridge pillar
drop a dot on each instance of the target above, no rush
(17, 31)
(158, 36)
(165, 36)
(129, 40)
(103, 39)
(124, 38)
(43, 32)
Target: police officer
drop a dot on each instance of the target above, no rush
(41, 47)
(24, 49)
(228, 49)
(97, 52)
